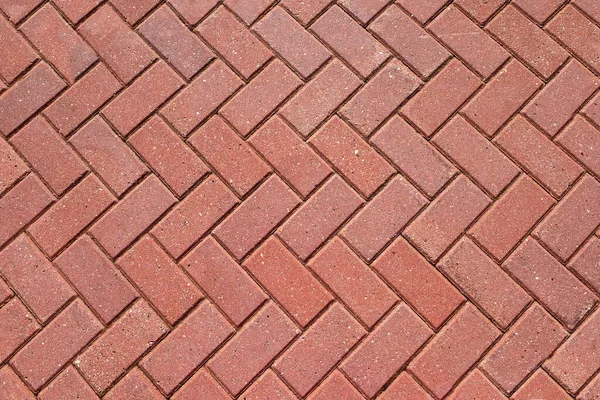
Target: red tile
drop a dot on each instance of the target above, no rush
(335, 386)
(12, 386)
(311, 357)
(540, 386)
(134, 386)
(441, 97)
(538, 155)
(66, 335)
(422, 11)
(34, 278)
(82, 99)
(188, 346)
(193, 11)
(413, 44)
(119, 346)
(248, 10)
(75, 10)
(123, 223)
(96, 279)
(16, 326)
(298, 164)
(582, 140)
(404, 387)
(201, 382)
(347, 38)
(320, 97)
(478, 158)
(288, 281)
(289, 39)
(586, 262)
(268, 386)
(134, 11)
(380, 97)
(540, 52)
(400, 335)
(317, 219)
(223, 280)
(252, 221)
(364, 10)
(591, 390)
(58, 43)
(351, 156)
(513, 215)
(12, 167)
(172, 39)
(590, 7)
(539, 11)
(592, 110)
(476, 385)
(121, 48)
(481, 11)
(142, 97)
(110, 158)
(68, 383)
(17, 9)
(227, 153)
(193, 217)
(418, 282)
(260, 97)
(502, 97)
(549, 282)
(452, 352)
(531, 340)
(234, 42)
(160, 279)
(15, 54)
(305, 10)
(253, 348)
(26, 97)
(383, 218)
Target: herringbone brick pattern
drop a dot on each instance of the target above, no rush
(299, 199)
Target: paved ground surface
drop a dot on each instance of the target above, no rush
(317, 199)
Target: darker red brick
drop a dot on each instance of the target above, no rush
(317, 351)
(501, 98)
(539, 51)
(133, 12)
(34, 278)
(40, 85)
(160, 279)
(82, 99)
(415, 46)
(539, 11)
(12, 167)
(389, 347)
(11, 386)
(290, 156)
(353, 158)
(227, 153)
(268, 386)
(58, 43)
(120, 47)
(21, 205)
(122, 224)
(260, 97)
(454, 350)
(288, 281)
(252, 221)
(440, 97)
(15, 54)
(513, 215)
(335, 386)
(586, 263)
(172, 39)
(422, 11)
(582, 141)
(550, 283)
(381, 220)
(16, 326)
(248, 10)
(223, 280)
(288, 38)
(71, 214)
(319, 217)
(201, 382)
(5, 292)
(592, 110)
(445, 219)
(418, 282)
(540, 386)
(380, 97)
(575, 218)
(305, 10)
(236, 43)
(480, 159)
(193, 11)
(119, 346)
(134, 386)
(577, 359)
(110, 158)
(68, 384)
(253, 348)
(188, 346)
(140, 99)
(66, 335)
(201, 97)
(476, 385)
(404, 387)
(320, 97)
(193, 217)
(525, 345)
(481, 11)
(49, 155)
(364, 10)
(96, 279)
(75, 10)
(538, 155)
(347, 38)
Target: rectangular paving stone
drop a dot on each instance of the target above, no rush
(16, 54)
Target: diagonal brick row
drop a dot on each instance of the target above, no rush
(316, 199)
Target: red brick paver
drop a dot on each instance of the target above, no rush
(299, 199)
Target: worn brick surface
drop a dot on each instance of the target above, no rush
(299, 199)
